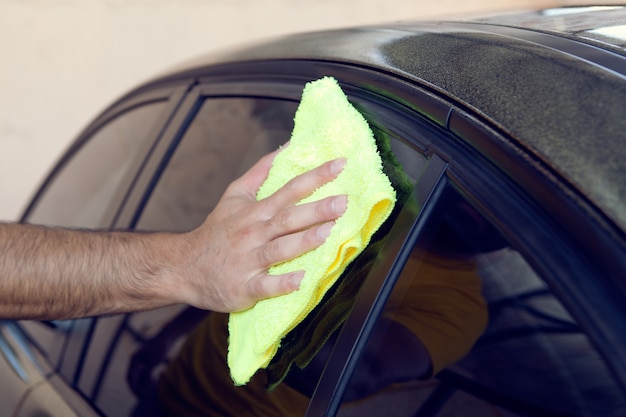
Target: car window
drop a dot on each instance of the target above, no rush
(225, 137)
(81, 192)
(471, 329)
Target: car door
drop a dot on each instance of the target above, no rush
(520, 338)
(85, 190)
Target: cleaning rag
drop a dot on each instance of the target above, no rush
(326, 126)
(302, 344)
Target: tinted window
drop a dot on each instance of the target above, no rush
(470, 329)
(81, 192)
(226, 136)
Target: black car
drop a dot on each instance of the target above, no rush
(508, 250)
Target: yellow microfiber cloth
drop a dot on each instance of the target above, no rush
(326, 127)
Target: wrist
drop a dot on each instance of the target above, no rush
(167, 256)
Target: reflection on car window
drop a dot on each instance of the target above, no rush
(471, 330)
(226, 137)
(75, 199)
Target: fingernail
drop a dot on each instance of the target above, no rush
(323, 231)
(337, 165)
(339, 204)
(296, 279)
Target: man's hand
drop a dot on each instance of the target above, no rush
(225, 261)
(50, 273)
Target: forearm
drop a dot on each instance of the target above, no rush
(50, 273)
(222, 265)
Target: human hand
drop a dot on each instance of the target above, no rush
(227, 258)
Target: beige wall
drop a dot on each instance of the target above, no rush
(64, 60)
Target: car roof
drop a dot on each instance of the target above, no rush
(559, 94)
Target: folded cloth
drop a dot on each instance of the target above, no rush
(326, 127)
(302, 343)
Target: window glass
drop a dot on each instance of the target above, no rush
(225, 139)
(81, 192)
(470, 329)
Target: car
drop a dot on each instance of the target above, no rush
(498, 288)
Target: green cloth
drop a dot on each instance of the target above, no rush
(326, 127)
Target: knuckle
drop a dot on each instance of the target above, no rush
(313, 238)
(324, 209)
(283, 221)
(260, 288)
(267, 254)
(289, 189)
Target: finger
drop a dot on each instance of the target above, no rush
(304, 216)
(293, 245)
(304, 184)
(268, 286)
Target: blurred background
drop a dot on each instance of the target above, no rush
(66, 60)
